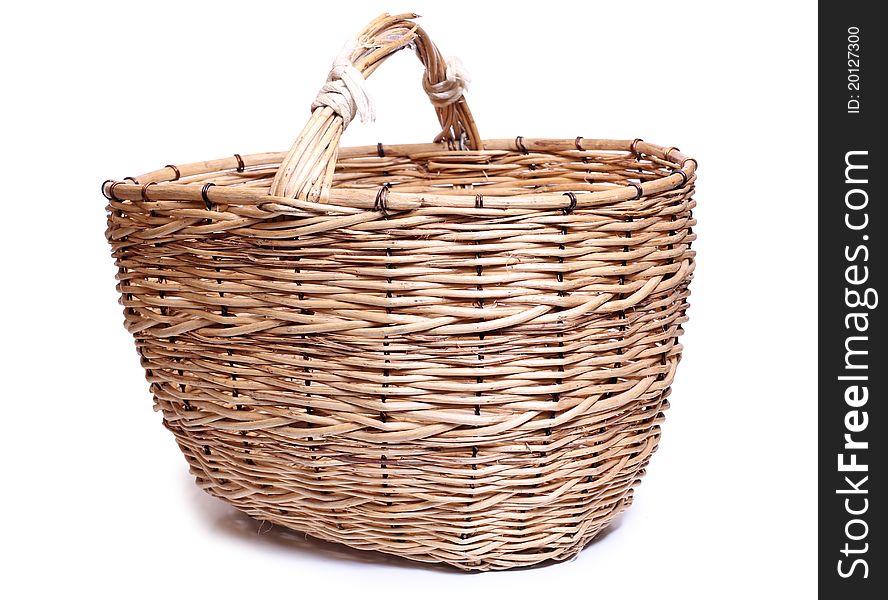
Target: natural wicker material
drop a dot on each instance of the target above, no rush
(457, 356)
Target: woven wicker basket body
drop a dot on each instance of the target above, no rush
(453, 355)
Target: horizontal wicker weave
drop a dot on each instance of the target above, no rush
(455, 352)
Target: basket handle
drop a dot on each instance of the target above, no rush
(307, 170)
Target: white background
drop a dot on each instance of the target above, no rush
(96, 498)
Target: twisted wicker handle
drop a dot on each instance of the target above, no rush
(307, 170)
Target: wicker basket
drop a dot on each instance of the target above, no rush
(454, 352)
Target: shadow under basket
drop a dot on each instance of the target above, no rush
(455, 352)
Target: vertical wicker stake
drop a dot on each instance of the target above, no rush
(451, 355)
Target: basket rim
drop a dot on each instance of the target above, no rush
(162, 183)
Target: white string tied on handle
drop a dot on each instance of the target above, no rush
(345, 90)
(451, 89)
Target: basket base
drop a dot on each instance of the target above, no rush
(501, 539)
